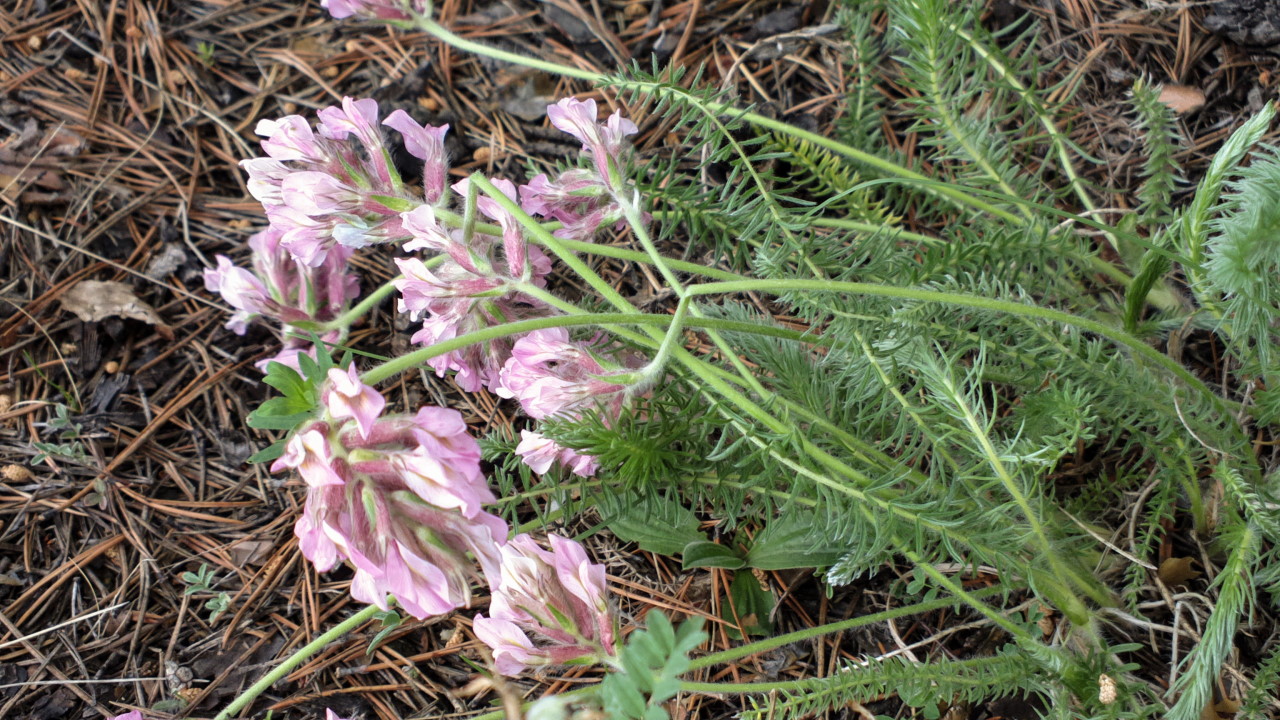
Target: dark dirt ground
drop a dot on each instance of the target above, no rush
(121, 124)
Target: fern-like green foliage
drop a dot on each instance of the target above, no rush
(922, 409)
(1243, 263)
(919, 685)
(1160, 172)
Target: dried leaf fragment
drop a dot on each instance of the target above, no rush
(1181, 98)
(1177, 570)
(95, 300)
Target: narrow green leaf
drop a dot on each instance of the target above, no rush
(706, 554)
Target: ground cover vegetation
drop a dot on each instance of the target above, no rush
(912, 353)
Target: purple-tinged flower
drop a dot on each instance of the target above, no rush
(553, 376)
(521, 260)
(334, 185)
(432, 454)
(242, 290)
(358, 117)
(513, 651)
(375, 9)
(604, 142)
(310, 452)
(579, 199)
(331, 715)
(131, 715)
(282, 289)
(425, 290)
(265, 177)
(346, 397)
(427, 144)
(291, 138)
(540, 453)
(317, 193)
(557, 598)
(401, 503)
(468, 291)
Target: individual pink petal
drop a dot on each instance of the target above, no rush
(131, 715)
(240, 288)
(426, 144)
(317, 193)
(347, 397)
(290, 138)
(310, 454)
(576, 117)
(537, 451)
(512, 650)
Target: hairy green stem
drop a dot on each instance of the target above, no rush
(359, 309)
(296, 659)
(416, 358)
(952, 192)
(778, 641)
(974, 301)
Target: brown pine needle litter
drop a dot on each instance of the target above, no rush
(121, 126)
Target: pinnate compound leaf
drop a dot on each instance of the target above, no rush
(652, 662)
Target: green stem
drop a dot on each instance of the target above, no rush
(948, 190)
(743, 688)
(412, 360)
(368, 303)
(296, 659)
(983, 303)
(778, 641)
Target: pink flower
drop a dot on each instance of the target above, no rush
(265, 177)
(427, 144)
(291, 138)
(317, 193)
(331, 715)
(347, 397)
(428, 234)
(540, 453)
(402, 504)
(604, 142)
(433, 455)
(557, 598)
(311, 454)
(424, 290)
(241, 289)
(330, 185)
(358, 117)
(131, 715)
(375, 9)
(552, 376)
(513, 651)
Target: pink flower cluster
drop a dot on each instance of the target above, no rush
(475, 286)
(401, 498)
(335, 185)
(583, 200)
(282, 288)
(548, 608)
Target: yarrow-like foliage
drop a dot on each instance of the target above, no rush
(548, 608)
